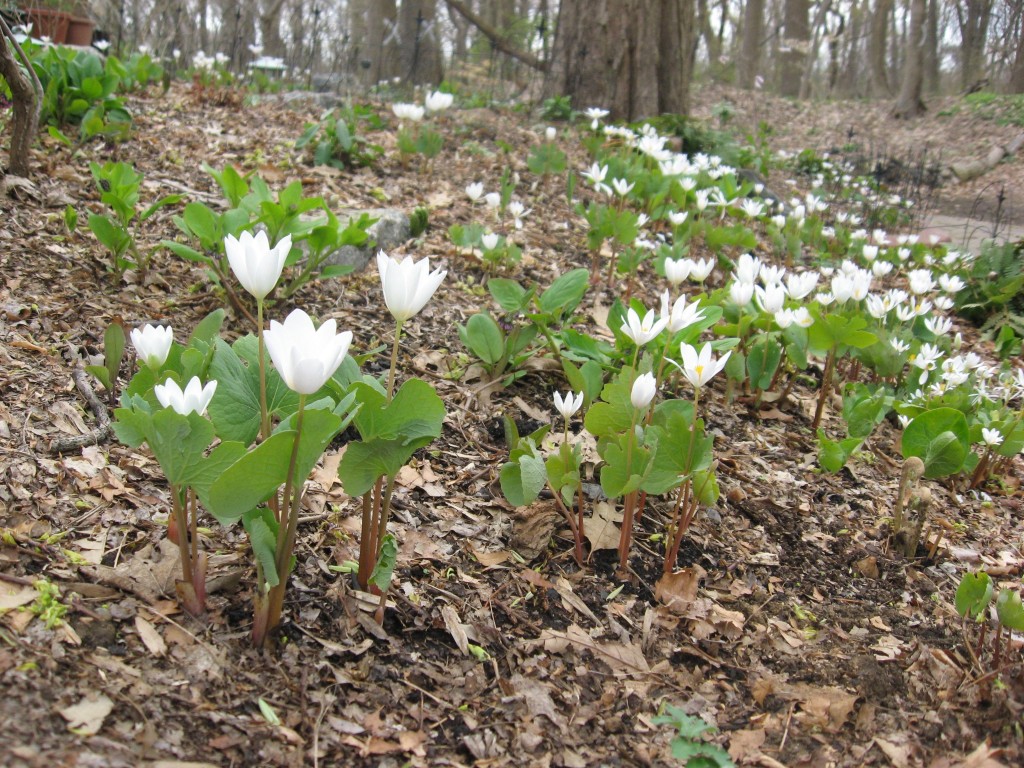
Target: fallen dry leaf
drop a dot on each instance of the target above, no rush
(86, 717)
(150, 636)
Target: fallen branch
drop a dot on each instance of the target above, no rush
(972, 169)
(96, 436)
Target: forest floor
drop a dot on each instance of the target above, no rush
(807, 643)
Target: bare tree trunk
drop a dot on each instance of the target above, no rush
(632, 57)
(270, 28)
(420, 54)
(25, 123)
(909, 103)
(817, 28)
(932, 76)
(795, 44)
(878, 48)
(748, 66)
(973, 18)
(1016, 81)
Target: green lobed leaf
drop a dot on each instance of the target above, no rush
(261, 471)
(179, 442)
(939, 438)
(262, 529)
(565, 293)
(973, 595)
(1009, 610)
(384, 568)
(483, 337)
(523, 480)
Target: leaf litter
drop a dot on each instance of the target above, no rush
(791, 629)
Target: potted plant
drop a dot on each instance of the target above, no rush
(62, 21)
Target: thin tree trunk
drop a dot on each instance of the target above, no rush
(932, 77)
(748, 66)
(909, 103)
(878, 48)
(25, 98)
(796, 40)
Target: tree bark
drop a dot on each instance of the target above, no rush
(909, 103)
(420, 55)
(25, 100)
(878, 49)
(796, 34)
(973, 18)
(270, 28)
(932, 77)
(632, 57)
(748, 66)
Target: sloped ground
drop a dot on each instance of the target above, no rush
(807, 644)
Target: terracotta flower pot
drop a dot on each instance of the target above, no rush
(80, 31)
(47, 22)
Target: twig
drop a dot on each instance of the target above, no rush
(98, 435)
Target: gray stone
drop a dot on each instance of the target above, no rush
(391, 230)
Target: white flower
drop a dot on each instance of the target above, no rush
(490, 241)
(677, 270)
(569, 405)
(992, 437)
(927, 360)
(550, 133)
(800, 285)
(802, 317)
(518, 211)
(771, 274)
(939, 326)
(700, 269)
(596, 175)
(622, 187)
(951, 283)
(595, 114)
(943, 303)
(899, 345)
(195, 396)
(881, 268)
(437, 101)
(747, 267)
(306, 357)
(642, 331)
(404, 111)
(677, 218)
(770, 299)
(475, 191)
(752, 208)
(740, 293)
(920, 281)
(492, 199)
(784, 318)
(870, 252)
(256, 265)
(408, 285)
(700, 367)
(153, 344)
(682, 315)
(644, 389)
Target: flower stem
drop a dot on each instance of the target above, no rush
(394, 360)
(269, 608)
(264, 416)
(826, 386)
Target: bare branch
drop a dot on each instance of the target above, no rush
(497, 39)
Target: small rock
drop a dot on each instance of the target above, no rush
(391, 230)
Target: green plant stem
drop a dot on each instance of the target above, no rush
(826, 386)
(285, 538)
(629, 506)
(384, 515)
(264, 414)
(394, 360)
